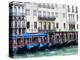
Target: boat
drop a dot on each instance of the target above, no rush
(42, 41)
(32, 47)
(42, 46)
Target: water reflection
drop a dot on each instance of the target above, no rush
(72, 50)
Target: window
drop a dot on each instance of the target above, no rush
(44, 25)
(64, 15)
(39, 5)
(18, 11)
(10, 11)
(68, 8)
(10, 24)
(57, 25)
(28, 25)
(77, 17)
(44, 5)
(52, 6)
(77, 26)
(70, 36)
(49, 25)
(48, 6)
(53, 25)
(48, 14)
(56, 6)
(23, 31)
(22, 17)
(27, 12)
(16, 31)
(71, 26)
(34, 12)
(20, 31)
(63, 6)
(56, 14)
(13, 31)
(35, 25)
(72, 8)
(23, 11)
(52, 14)
(39, 13)
(69, 16)
(19, 18)
(44, 13)
(40, 25)
(15, 11)
(73, 16)
(23, 25)
(15, 23)
(64, 26)
(76, 9)
(19, 24)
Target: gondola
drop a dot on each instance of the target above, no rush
(42, 46)
(68, 43)
(28, 40)
(62, 44)
(50, 46)
(32, 47)
(75, 42)
(21, 46)
(35, 48)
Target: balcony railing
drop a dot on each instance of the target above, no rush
(46, 30)
(46, 18)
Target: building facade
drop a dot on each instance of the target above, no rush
(62, 18)
(17, 22)
(27, 17)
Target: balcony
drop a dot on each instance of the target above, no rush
(46, 18)
(46, 30)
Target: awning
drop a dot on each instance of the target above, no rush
(14, 36)
(40, 34)
(27, 35)
(36, 34)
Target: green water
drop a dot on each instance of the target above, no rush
(72, 50)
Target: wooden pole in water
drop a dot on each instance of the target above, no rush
(48, 38)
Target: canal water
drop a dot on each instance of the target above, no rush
(72, 50)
